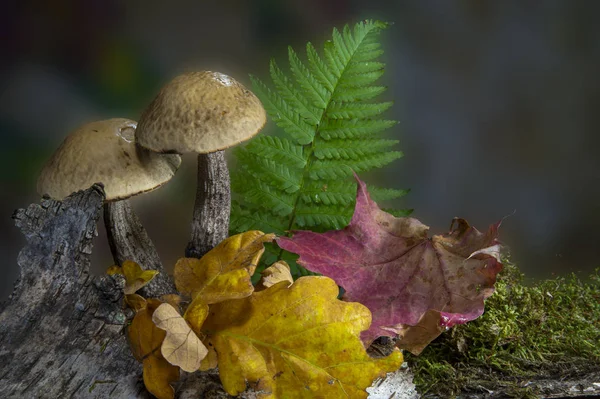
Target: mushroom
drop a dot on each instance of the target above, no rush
(205, 113)
(105, 152)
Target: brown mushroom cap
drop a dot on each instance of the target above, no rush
(105, 151)
(200, 112)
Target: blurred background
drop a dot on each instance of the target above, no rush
(497, 101)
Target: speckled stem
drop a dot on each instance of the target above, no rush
(210, 223)
(129, 240)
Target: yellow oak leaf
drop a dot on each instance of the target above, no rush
(277, 272)
(210, 361)
(195, 315)
(144, 337)
(114, 269)
(158, 376)
(145, 340)
(298, 341)
(223, 273)
(135, 276)
(181, 346)
(135, 302)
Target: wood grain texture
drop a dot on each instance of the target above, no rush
(129, 240)
(210, 222)
(62, 331)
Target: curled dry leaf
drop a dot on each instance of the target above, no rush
(135, 302)
(276, 273)
(415, 286)
(224, 272)
(145, 340)
(299, 340)
(135, 276)
(180, 347)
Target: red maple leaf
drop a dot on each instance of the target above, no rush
(415, 286)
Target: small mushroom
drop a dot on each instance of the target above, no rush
(205, 113)
(105, 152)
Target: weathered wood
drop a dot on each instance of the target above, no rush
(210, 222)
(62, 332)
(129, 240)
(61, 336)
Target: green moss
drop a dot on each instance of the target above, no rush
(546, 330)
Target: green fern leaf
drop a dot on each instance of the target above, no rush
(261, 195)
(351, 149)
(319, 70)
(289, 94)
(333, 169)
(359, 93)
(247, 220)
(279, 149)
(341, 193)
(283, 115)
(313, 88)
(345, 110)
(330, 118)
(278, 174)
(323, 216)
(379, 194)
(355, 128)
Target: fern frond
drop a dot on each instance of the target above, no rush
(279, 149)
(333, 169)
(313, 88)
(341, 193)
(333, 193)
(346, 110)
(379, 194)
(355, 128)
(247, 220)
(283, 115)
(359, 93)
(351, 149)
(328, 109)
(262, 196)
(279, 174)
(323, 216)
(289, 94)
(319, 70)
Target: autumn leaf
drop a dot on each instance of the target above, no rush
(299, 341)
(145, 340)
(135, 302)
(415, 286)
(158, 375)
(172, 299)
(224, 272)
(114, 269)
(135, 276)
(181, 346)
(195, 315)
(277, 272)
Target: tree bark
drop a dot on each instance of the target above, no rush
(210, 222)
(62, 331)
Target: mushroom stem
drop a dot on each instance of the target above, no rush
(129, 240)
(210, 222)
